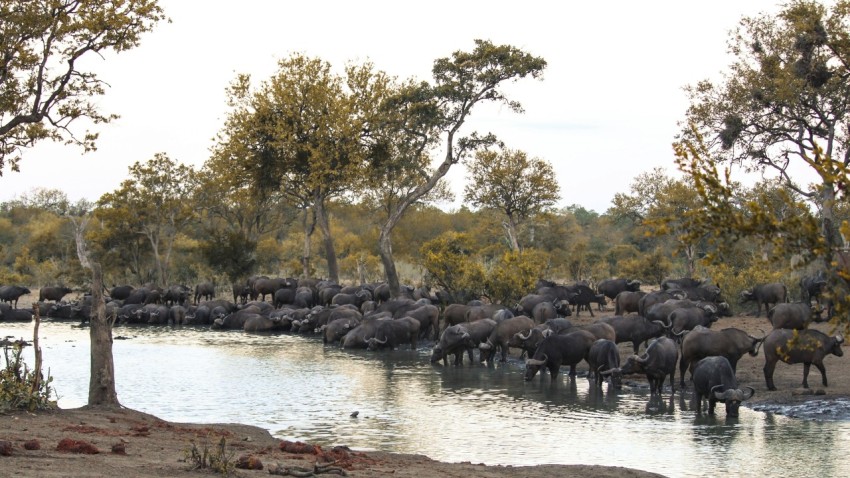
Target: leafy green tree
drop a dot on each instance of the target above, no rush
(155, 203)
(658, 203)
(418, 118)
(44, 87)
(652, 267)
(514, 275)
(512, 183)
(299, 134)
(451, 264)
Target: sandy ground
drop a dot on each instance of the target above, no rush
(132, 443)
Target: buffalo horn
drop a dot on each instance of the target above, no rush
(661, 324)
(607, 372)
(759, 343)
(382, 342)
(719, 395)
(839, 338)
(536, 362)
(486, 345)
(750, 395)
(524, 337)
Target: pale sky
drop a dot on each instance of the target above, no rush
(606, 110)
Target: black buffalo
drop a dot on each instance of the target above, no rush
(604, 361)
(792, 315)
(765, 294)
(557, 350)
(52, 293)
(658, 361)
(714, 379)
(610, 288)
(806, 346)
(11, 294)
(206, 290)
(731, 343)
(627, 301)
(811, 287)
(634, 329)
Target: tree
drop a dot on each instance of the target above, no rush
(157, 198)
(783, 104)
(451, 264)
(299, 134)
(513, 184)
(659, 203)
(417, 118)
(43, 88)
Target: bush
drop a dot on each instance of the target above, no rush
(733, 280)
(218, 459)
(20, 387)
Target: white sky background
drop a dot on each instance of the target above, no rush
(605, 111)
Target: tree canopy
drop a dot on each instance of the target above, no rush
(512, 183)
(43, 88)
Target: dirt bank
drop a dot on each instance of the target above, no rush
(149, 447)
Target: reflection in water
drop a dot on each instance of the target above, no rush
(299, 389)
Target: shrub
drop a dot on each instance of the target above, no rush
(20, 387)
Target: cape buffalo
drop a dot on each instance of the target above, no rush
(557, 350)
(773, 293)
(714, 379)
(805, 346)
(658, 361)
(793, 315)
(610, 288)
(11, 294)
(731, 343)
(634, 329)
(627, 301)
(501, 335)
(604, 356)
(52, 293)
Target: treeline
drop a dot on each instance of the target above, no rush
(469, 252)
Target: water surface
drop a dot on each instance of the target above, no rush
(299, 389)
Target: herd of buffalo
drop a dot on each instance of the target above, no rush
(673, 324)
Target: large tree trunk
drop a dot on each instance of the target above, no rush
(385, 248)
(510, 231)
(309, 227)
(102, 371)
(330, 251)
(102, 379)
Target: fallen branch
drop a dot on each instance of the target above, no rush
(298, 471)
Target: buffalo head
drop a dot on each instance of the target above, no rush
(732, 398)
(533, 366)
(616, 375)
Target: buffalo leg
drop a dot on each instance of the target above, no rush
(672, 381)
(769, 367)
(683, 366)
(822, 372)
(806, 367)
